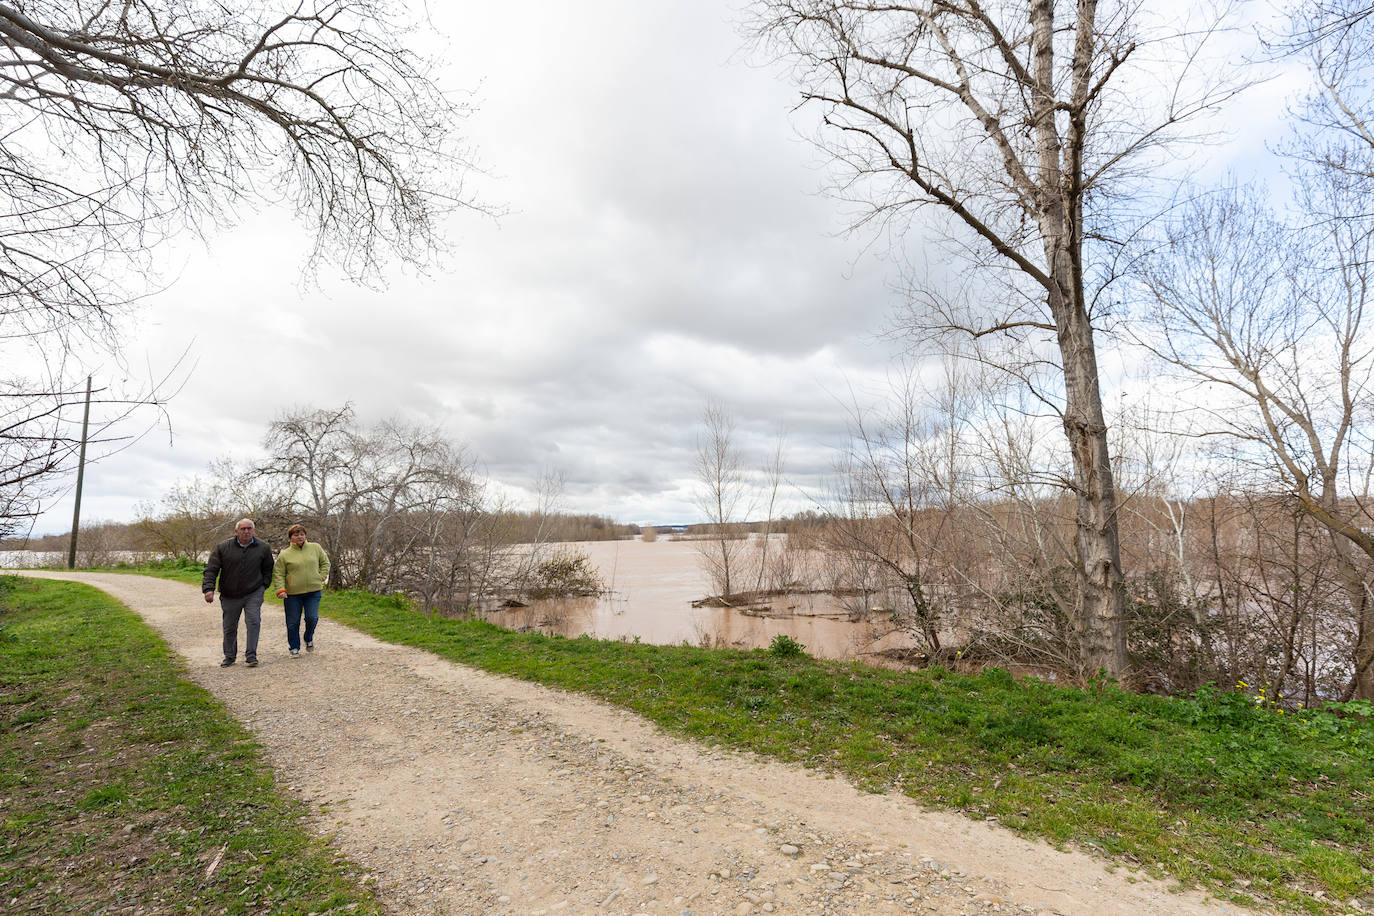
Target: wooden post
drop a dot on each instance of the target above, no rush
(80, 474)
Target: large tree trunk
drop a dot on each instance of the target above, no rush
(1353, 568)
(1100, 624)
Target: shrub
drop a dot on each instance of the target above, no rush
(784, 646)
(1172, 637)
(567, 574)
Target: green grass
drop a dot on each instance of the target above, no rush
(1212, 790)
(180, 569)
(121, 781)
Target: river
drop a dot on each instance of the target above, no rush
(652, 587)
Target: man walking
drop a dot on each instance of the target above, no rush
(243, 565)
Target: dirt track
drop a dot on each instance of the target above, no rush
(463, 792)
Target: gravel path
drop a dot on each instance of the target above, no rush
(461, 792)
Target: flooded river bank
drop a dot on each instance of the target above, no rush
(652, 587)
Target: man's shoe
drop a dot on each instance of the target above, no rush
(251, 662)
(310, 647)
(226, 663)
(295, 653)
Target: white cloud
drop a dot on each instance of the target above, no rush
(665, 242)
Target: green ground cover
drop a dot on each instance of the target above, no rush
(1213, 790)
(122, 783)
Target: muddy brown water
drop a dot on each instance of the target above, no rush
(652, 587)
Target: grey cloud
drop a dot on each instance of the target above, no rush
(665, 243)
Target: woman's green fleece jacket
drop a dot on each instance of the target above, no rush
(301, 569)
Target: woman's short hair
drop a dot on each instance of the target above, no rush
(294, 528)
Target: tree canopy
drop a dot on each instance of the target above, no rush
(127, 123)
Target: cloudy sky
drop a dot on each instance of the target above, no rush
(665, 242)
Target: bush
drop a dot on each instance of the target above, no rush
(1172, 637)
(172, 564)
(567, 574)
(784, 646)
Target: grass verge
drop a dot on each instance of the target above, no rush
(180, 569)
(122, 784)
(1213, 790)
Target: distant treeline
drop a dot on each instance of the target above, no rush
(797, 524)
(156, 535)
(561, 527)
(46, 542)
(171, 536)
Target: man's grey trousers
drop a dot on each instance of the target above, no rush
(250, 606)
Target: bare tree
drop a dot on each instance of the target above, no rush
(1300, 637)
(901, 480)
(1023, 598)
(722, 496)
(190, 518)
(397, 469)
(1270, 319)
(365, 491)
(1159, 495)
(454, 543)
(773, 471)
(1336, 117)
(311, 453)
(40, 433)
(1019, 121)
(170, 110)
(128, 122)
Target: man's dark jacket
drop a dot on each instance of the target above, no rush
(241, 570)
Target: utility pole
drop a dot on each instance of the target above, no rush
(80, 473)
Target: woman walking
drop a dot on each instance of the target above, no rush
(298, 579)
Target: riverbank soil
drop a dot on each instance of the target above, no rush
(461, 792)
